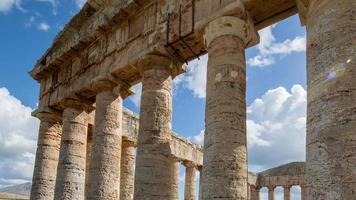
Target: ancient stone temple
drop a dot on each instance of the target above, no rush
(90, 147)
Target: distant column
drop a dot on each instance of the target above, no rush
(200, 168)
(286, 190)
(127, 171)
(175, 179)
(70, 182)
(225, 152)
(48, 145)
(271, 193)
(189, 190)
(303, 192)
(255, 192)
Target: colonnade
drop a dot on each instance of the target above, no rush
(255, 192)
(60, 169)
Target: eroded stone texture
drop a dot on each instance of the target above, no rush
(48, 145)
(70, 182)
(225, 158)
(189, 189)
(331, 115)
(174, 192)
(153, 163)
(255, 192)
(127, 176)
(104, 173)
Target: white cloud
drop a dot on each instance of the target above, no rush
(269, 48)
(195, 78)
(136, 98)
(80, 3)
(18, 135)
(43, 26)
(198, 139)
(278, 117)
(275, 128)
(7, 5)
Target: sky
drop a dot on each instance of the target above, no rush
(276, 90)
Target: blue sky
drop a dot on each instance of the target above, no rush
(276, 88)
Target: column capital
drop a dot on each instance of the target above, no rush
(229, 25)
(271, 188)
(79, 103)
(111, 84)
(155, 61)
(307, 7)
(47, 113)
(287, 187)
(189, 164)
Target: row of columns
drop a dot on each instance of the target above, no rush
(255, 192)
(225, 156)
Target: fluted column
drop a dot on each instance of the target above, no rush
(153, 162)
(104, 173)
(127, 171)
(225, 152)
(189, 189)
(255, 192)
(286, 191)
(70, 182)
(331, 114)
(271, 193)
(48, 145)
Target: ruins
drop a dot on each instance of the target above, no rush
(90, 147)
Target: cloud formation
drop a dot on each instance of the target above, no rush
(269, 48)
(7, 5)
(43, 26)
(276, 127)
(18, 135)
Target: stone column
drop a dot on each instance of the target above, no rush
(175, 179)
(271, 193)
(153, 163)
(127, 171)
(88, 156)
(70, 182)
(189, 190)
(104, 173)
(331, 114)
(200, 168)
(225, 156)
(255, 192)
(48, 145)
(303, 192)
(286, 190)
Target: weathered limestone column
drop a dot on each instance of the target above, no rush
(88, 156)
(225, 158)
(153, 163)
(286, 190)
(48, 145)
(127, 171)
(271, 193)
(331, 115)
(189, 190)
(175, 179)
(70, 182)
(104, 173)
(255, 192)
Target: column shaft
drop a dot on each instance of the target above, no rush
(270, 193)
(200, 183)
(175, 179)
(127, 171)
(286, 191)
(331, 114)
(48, 145)
(255, 193)
(70, 182)
(189, 190)
(104, 174)
(153, 163)
(225, 153)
